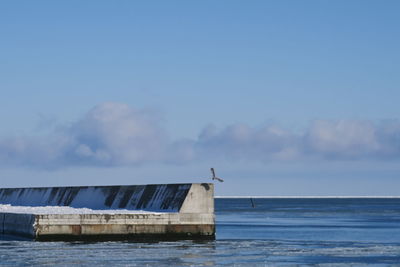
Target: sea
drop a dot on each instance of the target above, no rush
(249, 232)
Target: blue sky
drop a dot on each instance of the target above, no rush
(281, 97)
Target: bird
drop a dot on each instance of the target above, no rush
(214, 177)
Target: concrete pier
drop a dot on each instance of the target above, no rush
(147, 212)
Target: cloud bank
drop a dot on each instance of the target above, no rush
(114, 134)
(323, 139)
(109, 134)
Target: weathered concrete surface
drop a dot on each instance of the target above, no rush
(199, 199)
(163, 197)
(91, 226)
(193, 219)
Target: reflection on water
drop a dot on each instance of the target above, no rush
(327, 232)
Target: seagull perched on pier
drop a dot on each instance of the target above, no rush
(215, 177)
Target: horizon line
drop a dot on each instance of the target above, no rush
(306, 196)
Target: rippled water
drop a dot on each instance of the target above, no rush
(276, 232)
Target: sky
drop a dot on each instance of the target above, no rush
(280, 97)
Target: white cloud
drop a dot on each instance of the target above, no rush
(113, 134)
(109, 134)
(325, 139)
(240, 141)
(342, 139)
(116, 134)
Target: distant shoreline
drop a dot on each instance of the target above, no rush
(307, 197)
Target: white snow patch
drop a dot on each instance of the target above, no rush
(7, 208)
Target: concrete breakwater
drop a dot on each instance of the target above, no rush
(166, 211)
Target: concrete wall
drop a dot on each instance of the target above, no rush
(164, 197)
(188, 213)
(125, 226)
(199, 199)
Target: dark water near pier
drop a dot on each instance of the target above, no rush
(276, 232)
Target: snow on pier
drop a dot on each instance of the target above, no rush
(109, 212)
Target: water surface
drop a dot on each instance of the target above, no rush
(276, 232)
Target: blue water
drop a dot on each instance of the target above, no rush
(276, 232)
